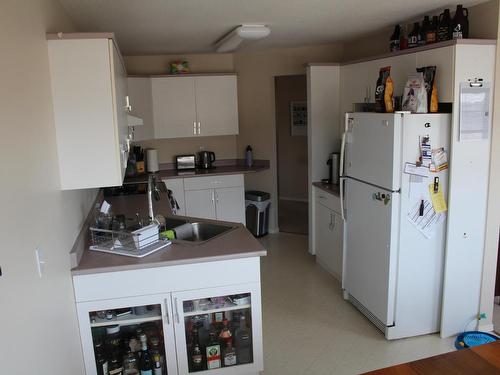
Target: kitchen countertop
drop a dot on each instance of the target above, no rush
(219, 170)
(236, 244)
(329, 188)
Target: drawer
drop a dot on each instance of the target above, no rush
(328, 200)
(213, 182)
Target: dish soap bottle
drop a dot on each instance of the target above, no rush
(249, 156)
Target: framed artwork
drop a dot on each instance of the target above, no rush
(298, 118)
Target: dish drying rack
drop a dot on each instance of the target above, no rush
(137, 243)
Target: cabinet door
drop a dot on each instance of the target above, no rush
(443, 59)
(200, 203)
(230, 204)
(206, 310)
(174, 108)
(337, 238)
(324, 246)
(217, 105)
(152, 314)
(139, 91)
(177, 187)
(120, 98)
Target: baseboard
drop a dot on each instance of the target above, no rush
(486, 327)
(302, 200)
(497, 300)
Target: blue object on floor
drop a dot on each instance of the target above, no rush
(474, 338)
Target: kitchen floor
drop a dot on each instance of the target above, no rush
(293, 216)
(309, 328)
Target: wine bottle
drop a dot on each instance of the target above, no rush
(145, 361)
(243, 342)
(196, 354)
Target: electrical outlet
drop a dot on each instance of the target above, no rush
(40, 261)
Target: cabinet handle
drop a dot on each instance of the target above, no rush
(128, 107)
(194, 128)
(199, 128)
(331, 221)
(176, 311)
(216, 197)
(321, 197)
(334, 221)
(167, 316)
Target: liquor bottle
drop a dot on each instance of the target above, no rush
(403, 41)
(413, 36)
(100, 359)
(229, 355)
(130, 366)
(145, 361)
(213, 352)
(115, 366)
(243, 342)
(444, 28)
(225, 335)
(196, 353)
(460, 24)
(422, 36)
(395, 38)
(158, 357)
(431, 34)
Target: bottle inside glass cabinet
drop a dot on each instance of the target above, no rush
(129, 341)
(217, 330)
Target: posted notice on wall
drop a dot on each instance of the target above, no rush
(475, 114)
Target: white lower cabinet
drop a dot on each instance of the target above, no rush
(201, 203)
(328, 232)
(214, 330)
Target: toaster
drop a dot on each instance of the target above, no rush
(185, 162)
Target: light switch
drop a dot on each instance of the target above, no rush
(40, 261)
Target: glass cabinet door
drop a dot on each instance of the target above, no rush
(219, 328)
(127, 336)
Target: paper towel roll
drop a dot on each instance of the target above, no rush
(152, 160)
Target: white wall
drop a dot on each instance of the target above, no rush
(39, 332)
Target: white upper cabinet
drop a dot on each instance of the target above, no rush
(217, 105)
(192, 106)
(174, 107)
(89, 94)
(443, 59)
(139, 91)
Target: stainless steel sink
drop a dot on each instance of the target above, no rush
(200, 231)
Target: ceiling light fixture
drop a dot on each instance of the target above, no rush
(233, 39)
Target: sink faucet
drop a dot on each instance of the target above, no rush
(152, 190)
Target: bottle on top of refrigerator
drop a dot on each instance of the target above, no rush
(431, 34)
(460, 24)
(403, 40)
(395, 39)
(444, 27)
(213, 352)
(422, 37)
(145, 361)
(414, 35)
(243, 342)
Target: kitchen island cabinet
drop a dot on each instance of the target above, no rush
(169, 292)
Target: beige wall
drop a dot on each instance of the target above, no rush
(483, 19)
(292, 150)
(256, 71)
(224, 146)
(39, 325)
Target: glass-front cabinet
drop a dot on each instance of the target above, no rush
(128, 336)
(216, 331)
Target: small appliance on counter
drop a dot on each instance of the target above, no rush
(334, 168)
(206, 159)
(185, 162)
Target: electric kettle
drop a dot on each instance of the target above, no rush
(206, 159)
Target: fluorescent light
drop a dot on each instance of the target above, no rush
(233, 39)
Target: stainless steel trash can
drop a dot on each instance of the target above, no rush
(257, 212)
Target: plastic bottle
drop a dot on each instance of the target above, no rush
(249, 156)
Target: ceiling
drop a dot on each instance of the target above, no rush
(192, 26)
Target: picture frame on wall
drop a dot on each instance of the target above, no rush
(298, 118)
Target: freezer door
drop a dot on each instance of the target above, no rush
(373, 149)
(371, 248)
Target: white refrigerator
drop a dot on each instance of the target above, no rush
(394, 239)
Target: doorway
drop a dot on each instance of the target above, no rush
(291, 139)
(496, 305)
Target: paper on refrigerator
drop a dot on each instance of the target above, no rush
(428, 222)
